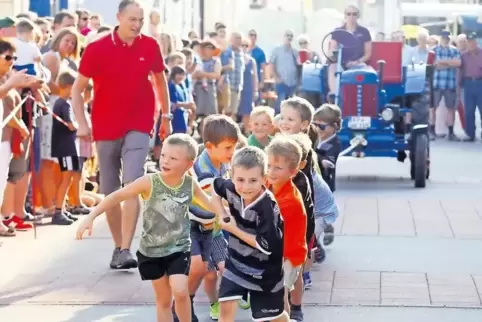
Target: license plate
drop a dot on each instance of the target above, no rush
(359, 122)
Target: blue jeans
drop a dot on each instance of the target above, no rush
(284, 92)
(472, 100)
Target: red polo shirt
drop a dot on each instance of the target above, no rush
(123, 97)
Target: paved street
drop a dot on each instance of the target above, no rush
(401, 254)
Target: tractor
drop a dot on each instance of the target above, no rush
(375, 99)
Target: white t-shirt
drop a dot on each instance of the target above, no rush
(27, 52)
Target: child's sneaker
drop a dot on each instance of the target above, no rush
(329, 235)
(307, 280)
(296, 315)
(244, 303)
(214, 311)
(320, 254)
(79, 210)
(17, 223)
(59, 218)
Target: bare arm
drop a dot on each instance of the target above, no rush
(80, 85)
(367, 49)
(141, 186)
(52, 63)
(160, 86)
(217, 71)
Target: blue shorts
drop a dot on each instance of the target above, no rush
(29, 67)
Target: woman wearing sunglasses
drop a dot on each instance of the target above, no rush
(361, 51)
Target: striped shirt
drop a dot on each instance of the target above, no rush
(284, 61)
(260, 268)
(204, 172)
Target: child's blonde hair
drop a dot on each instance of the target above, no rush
(304, 143)
(263, 110)
(329, 113)
(283, 146)
(181, 139)
(250, 157)
(242, 142)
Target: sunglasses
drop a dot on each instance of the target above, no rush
(245, 45)
(289, 35)
(9, 57)
(353, 14)
(84, 18)
(322, 126)
(253, 35)
(303, 43)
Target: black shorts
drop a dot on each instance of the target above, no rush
(265, 306)
(153, 268)
(75, 164)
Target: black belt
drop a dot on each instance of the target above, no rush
(472, 78)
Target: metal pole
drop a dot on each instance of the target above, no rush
(201, 17)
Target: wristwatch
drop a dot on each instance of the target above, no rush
(167, 116)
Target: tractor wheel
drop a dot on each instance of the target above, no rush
(420, 161)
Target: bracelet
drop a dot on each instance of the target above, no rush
(167, 116)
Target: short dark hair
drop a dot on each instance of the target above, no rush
(6, 45)
(188, 52)
(212, 34)
(218, 128)
(125, 3)
(66, 78)
(60, 16)
(42, 21)
(176, 70)
(195, 43)
(219, 25)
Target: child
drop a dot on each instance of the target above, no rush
(208, 73)
(28, 54)
(255, 262)
(328, 121)
(296, 116)
(180, 106)
(322, 207)
(261, 124)
(209, 248)
(176, 59)
(165, 245)
(284, 158)
(65, 147)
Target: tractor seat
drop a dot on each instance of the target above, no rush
(391, 53)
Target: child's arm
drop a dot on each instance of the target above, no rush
(217, 71)
(213, 204)
(141, 186)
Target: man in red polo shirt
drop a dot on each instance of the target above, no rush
(122, 65)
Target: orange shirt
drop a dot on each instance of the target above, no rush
(293, 212)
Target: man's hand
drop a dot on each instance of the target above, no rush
(20, 80)
(166, 128)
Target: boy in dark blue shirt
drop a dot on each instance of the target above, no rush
(65, 147)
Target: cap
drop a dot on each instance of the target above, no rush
(445, 34)
(472, 36)
(7, 22)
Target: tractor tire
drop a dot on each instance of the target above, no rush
(420, 161)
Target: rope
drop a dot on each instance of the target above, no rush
(49, 111)
(13, 113)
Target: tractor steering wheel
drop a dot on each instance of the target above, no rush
(344, 38)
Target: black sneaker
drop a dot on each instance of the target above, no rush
(70, 216)
(80, 210)
(320, 254)
(468, 139)
(296, 315)
(453, 137)
(61, 219)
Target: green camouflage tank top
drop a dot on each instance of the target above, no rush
(166, 224)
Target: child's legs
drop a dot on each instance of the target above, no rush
(177, 270)
(219, 254)
(291, 275)
(162, 292)
(74, 190)
(48, 182)
(65, 181)
(297, 292)
(200, 253)
(229, 295)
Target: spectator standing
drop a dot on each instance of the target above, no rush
(259, 56)
(83, 16)
(236, 75)
(128, 94)
(471, 78)
(284, 64)
(447, 60)
(249, 93)
(63, 19)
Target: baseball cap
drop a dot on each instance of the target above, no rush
(445, 34)
(7, 22)
(472, 36)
